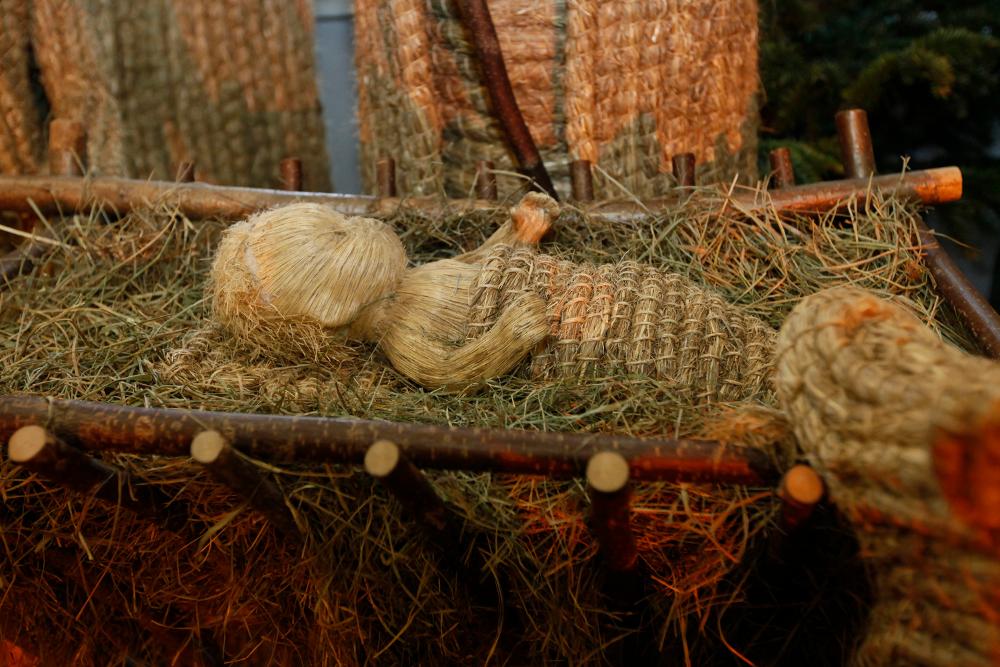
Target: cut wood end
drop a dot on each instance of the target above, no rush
(607, 472)
(207, 446)
(26, 443)
(802, 485)
(382, 458)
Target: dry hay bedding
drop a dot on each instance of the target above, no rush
(118, 314)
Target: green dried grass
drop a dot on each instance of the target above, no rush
(120, 316)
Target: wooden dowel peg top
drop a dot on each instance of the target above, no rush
(41, 452)
(781, 165)
(212, 450)
(801, 490)
(608, 483)
(385, 461)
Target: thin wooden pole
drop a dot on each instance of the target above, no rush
(48, 194)
(186, 172)
(781, 165)
(41, 452)
(168, 432)
(225, 464)
(386, 462)
(385, 177)
(610, 510)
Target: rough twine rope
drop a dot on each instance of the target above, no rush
(872, 394)
(624, 84)
(629, 318)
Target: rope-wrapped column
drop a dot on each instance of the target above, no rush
(905, 429)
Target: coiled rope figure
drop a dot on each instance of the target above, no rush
(458, 322)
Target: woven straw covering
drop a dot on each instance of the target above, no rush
(623, 84)
(904, 429)
(227, 84)
(20, 117)
(629, 318)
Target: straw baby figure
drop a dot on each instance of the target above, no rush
(457, 322)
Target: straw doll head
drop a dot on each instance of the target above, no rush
(305, 264)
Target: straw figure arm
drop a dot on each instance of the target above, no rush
(905, 429)
(424, 331)
(530, 220)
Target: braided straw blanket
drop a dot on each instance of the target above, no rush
(629, 318)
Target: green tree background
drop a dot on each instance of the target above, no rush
(928, 73)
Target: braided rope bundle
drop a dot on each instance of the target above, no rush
(905, 429)
(628, 318)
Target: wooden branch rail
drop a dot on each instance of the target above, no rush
(68, 195)
(385, 461)
(168, 432)
(229, 467)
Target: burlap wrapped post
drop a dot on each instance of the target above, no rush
(227, 84)
(624, 85)
(20, 109)
(905, 429)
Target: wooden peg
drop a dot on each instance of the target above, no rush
(44, 454)
(67, 148)
(581, 180)
(781, 165)
(801, 490)
(684, 167)
(855, 139)
(291, 174)
(385, 177)
(386, 462)
(610, 499)
(229, 467)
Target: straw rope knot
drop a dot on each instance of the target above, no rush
(627, 318)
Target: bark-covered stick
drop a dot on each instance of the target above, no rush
(385, 177)
(801, 490)
(610, 509)
(43, 453)
(683, 166)
(224, 463)
(167, 432)
(386, 462)
(52, 195)
(291, 174)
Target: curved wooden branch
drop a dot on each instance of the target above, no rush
(168, 432)
(476, 16)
